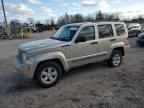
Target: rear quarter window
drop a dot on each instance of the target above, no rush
(120, 29)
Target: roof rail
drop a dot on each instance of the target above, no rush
(87, 22)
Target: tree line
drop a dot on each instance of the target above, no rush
(76, 18)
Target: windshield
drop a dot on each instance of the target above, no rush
(65, 33)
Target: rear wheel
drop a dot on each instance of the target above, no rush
(48, 74)
(115, 59)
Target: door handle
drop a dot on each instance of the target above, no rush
(112, 39)
(93, 43)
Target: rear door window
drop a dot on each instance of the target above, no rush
(105, 31)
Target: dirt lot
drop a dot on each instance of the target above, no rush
(91, 86)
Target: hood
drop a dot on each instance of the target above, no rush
(41, 44)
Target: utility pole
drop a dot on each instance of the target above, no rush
(4, 13)
(5, 20)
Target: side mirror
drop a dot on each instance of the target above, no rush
(80, 39)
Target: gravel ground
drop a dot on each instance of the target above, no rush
(91, 86)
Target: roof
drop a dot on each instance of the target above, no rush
(79, 24)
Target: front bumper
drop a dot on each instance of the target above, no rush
(25, 69)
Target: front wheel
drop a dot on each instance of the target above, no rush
(48, 74)
(115, 59)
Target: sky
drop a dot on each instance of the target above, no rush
(46, 9)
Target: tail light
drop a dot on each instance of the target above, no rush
(126, 42)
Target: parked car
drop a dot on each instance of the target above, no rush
(34, 28)
(142, 27)
(140, 40)
(71, 46)
(134, 29)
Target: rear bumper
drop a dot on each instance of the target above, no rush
(25, 69)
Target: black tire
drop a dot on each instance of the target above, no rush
(110, 62)
(43, 66)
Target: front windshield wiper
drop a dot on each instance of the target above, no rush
(51, 37)
(54, 38)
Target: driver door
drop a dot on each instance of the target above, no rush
(84, 49)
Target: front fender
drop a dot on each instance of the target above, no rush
(35, 60)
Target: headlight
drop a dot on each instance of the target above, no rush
(24, 57)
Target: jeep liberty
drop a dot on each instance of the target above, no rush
(71, 46)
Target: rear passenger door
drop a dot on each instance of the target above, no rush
(106, 38)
